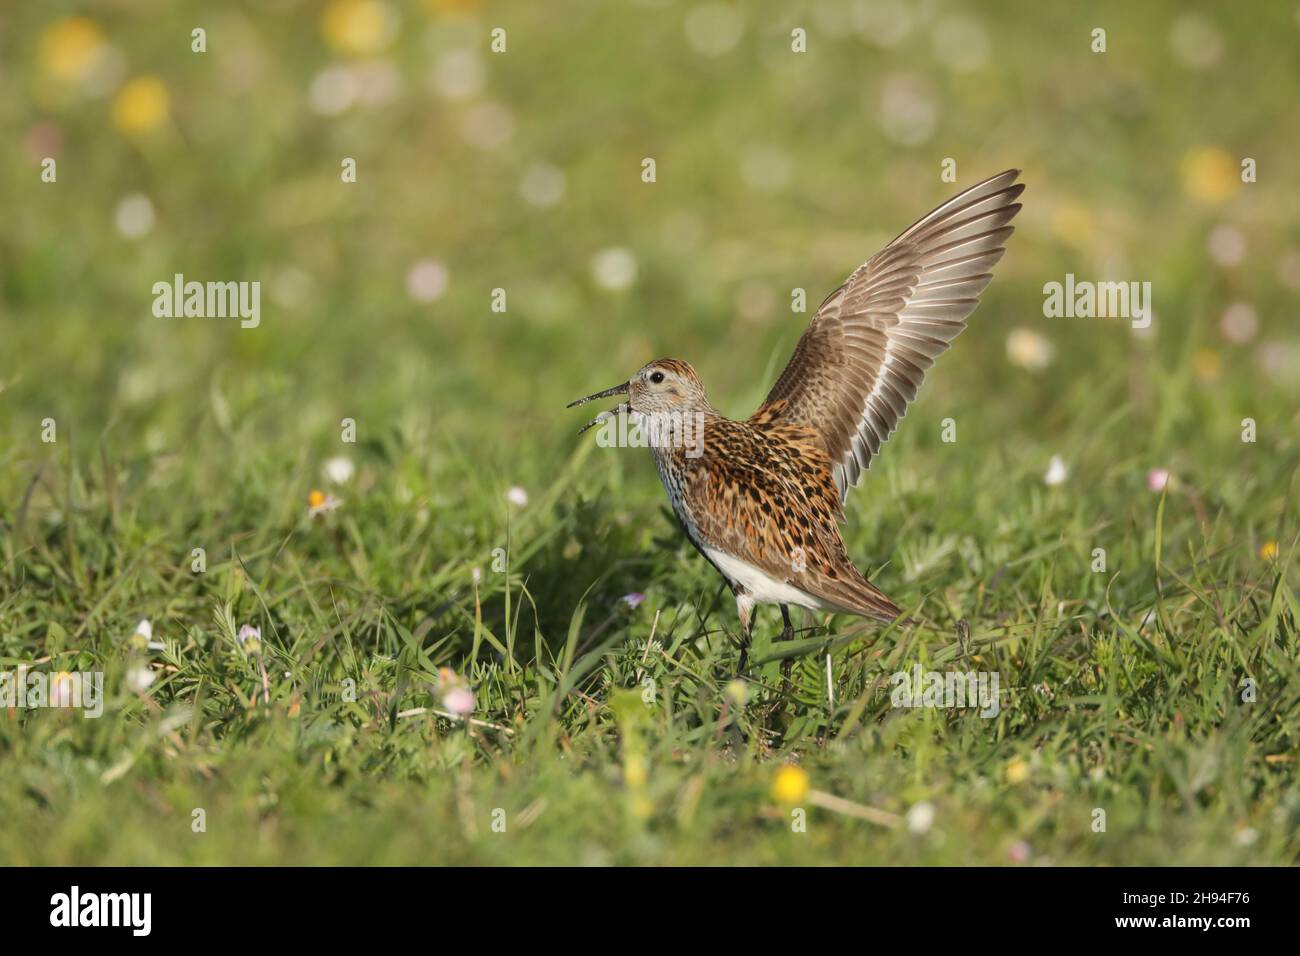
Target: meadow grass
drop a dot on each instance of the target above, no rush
(1161, 689)
(1120, 690)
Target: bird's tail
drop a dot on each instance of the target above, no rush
(857, 595)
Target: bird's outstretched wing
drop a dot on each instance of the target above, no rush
(864, 354)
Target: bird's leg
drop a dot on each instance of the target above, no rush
(787, 634)
(746, 611)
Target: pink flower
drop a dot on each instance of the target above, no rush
(459, 701)
(454, 693)
(1158, 479)
(633, 599)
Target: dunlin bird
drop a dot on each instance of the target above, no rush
(762, 499)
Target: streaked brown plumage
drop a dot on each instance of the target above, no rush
(762, 499)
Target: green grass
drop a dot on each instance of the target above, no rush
(1122, 689)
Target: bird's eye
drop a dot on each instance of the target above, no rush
(657, 377)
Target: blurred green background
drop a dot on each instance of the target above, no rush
(522, 171)
(519, 170)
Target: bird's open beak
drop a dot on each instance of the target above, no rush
(622, 407)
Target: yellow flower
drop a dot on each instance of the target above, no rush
(1209, 174)
(1017, 772)
(358, 27)
(634, 772)
(140, 105)
(1072, 223)
(790, 785)
(1208, 365)
(69, 47)
(1268, 550)
(736, 691)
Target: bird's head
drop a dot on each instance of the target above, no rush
(661, 388)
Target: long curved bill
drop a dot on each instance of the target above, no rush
(621, 407)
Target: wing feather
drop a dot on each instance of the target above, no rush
(865, 353)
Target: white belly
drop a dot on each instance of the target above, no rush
(762, 587)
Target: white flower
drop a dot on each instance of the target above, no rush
(517, 496)
(142, 638)
(1056, 472)
(908, 110)
(333, 90)
(920, 817)
(1239, 323)
(339, 469)
(1288, 268)
(1195, 42)
(614, 269)
(139, 678)
(1029, 349)
(319, 504)
(543, 185)
(1226, 245)
(458, 74)
(427, 280)
(249, 637)
(61, 687)
(134, 216)
(378, 82)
